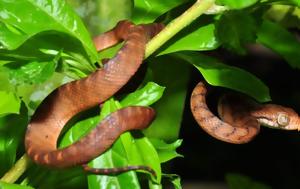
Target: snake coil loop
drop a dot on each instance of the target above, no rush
(69, 99)
(240, 118)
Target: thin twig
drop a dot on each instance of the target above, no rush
(17, 170)
(197, 9)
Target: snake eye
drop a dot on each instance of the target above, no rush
(283, 119)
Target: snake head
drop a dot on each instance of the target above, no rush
(276, 116)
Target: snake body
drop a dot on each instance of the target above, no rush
(74, 97)
(240, 118)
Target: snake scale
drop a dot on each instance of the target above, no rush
(74, 97)
(240, 117)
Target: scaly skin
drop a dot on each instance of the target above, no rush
(74, 97)
(240, 118)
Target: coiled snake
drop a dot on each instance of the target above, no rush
(68, 100)
(240, 118)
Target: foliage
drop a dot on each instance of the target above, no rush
(44, 44)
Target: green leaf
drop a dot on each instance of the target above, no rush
(32, 95)
(155, 186)
(101, 15)
(19, 24)
(234, 4)
(193, 38)
(145, 96)
(31, 73)
(4, 78)
(175, 179)
(12, 128)
(232, 35)
(79, 130)
(7, 34)
(237, 181)
(219, 74)
(280, 41)
(286, 15)
(166, 151)
(172, 74)
(147, 155)
(83, 127)
(148, 11)
(114, 157)
(33, 81)
(126, 150)
(46, 47)
(43, 177)
(9, 103)
(295, 2)
(4, 185)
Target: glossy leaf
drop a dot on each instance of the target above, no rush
(193, 38)
(232, 35)
(31, 73)
(79, 130)
(9, 103)
(147, 11)
(31, 94)
(173, 74)
(6, 36)
(145, 96)
(280, 41)
(166, 151)
(237, 181)
(43, 48)
(219, 74)
(148, 156)
(234, 4)
(12, 128)
(4, 80)
(4, 185)
(18, 25)
(112, 158)
(175, 179)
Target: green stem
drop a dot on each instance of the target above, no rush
(178, 24)
(17, 170)
(168, 32)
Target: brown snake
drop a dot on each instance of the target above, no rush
(74, 97)
(241, 119)
(68, 100)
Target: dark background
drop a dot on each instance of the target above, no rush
(272, 157)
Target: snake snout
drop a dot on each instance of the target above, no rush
(298, 123)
